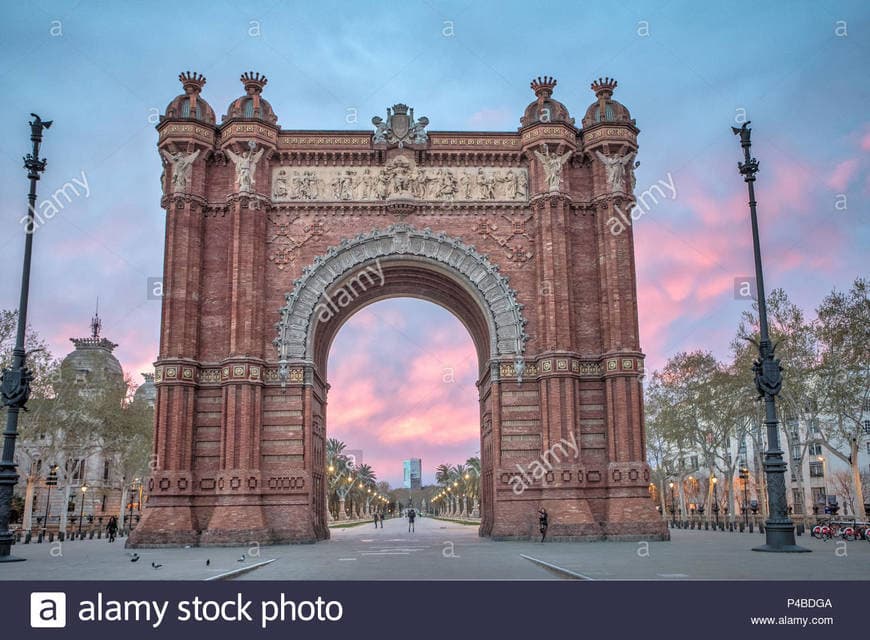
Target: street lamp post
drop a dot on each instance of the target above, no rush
(82, 508)
(673, 507)
(715, 482)
(744, 476)
(15, 385)
(50, 481)
(779, 529)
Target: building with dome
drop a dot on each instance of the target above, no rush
(65, 474)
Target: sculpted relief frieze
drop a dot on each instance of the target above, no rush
(399, 179)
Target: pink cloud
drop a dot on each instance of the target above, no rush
(842, 174)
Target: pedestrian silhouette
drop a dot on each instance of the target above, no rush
(411, 515)
(543, 522)
(112, 528)
(376, 519)
(381, 518)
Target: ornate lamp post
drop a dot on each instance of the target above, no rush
(82, 508)
(50, 481)
(673, 507)
(744, 476)
(715, 482)
(779, 529)
(15, 386)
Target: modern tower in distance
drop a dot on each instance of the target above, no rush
(413, 473)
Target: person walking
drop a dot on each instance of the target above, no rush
(112, 528)
(543, 522)
(376, 516)
(381, 518)
(411, 515)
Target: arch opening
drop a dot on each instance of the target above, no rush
(402, 375)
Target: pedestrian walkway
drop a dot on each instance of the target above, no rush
(441, 550)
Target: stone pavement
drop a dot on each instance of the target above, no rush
(440, 550)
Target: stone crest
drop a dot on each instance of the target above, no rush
(400, 127)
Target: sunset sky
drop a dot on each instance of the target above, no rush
(402, 371)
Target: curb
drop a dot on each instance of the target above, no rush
(241, 570)
(571, 575)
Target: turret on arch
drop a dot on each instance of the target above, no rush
(508, 230)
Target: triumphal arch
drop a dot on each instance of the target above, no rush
(275, 236)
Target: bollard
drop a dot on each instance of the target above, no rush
(28, 537)
(91, 537)
(51, 536)
(61, 536)
(741, 527)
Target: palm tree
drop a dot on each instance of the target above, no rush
(473, 482)
(338, 468)
(459, 480)
(365, 481)
(442, 477)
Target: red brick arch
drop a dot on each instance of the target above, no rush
(517, 233)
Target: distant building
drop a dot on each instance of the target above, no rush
(62, 482)
(413, 478)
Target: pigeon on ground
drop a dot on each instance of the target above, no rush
(207, 561)
(135, 558)
(155, 565)
(242, 559)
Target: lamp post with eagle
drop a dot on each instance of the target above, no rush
(779, 529)
(15, 385)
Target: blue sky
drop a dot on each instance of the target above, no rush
(685, 69)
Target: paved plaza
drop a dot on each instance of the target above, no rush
(442, 550)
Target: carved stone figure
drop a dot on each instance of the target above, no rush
(447, 188)
(182, 166)
(366, 185)
(246, 166)
(522, 185)
(280, 188)
(552, 165)
(486, 185)
(381, 128)
(467, 185)
(343, 186)
(615, 168)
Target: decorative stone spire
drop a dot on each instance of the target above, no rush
(603, 88)
(96, 323)
(193, 84)
(254, 83)
(543, 87)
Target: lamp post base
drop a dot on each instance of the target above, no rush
(11, 559)
(780, 539)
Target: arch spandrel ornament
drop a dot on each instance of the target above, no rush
(477, 274)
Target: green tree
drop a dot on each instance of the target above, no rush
(843, 331)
